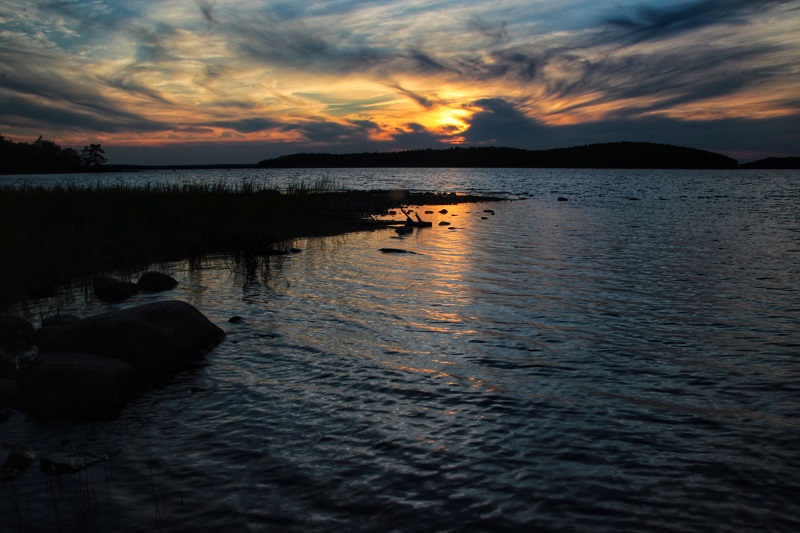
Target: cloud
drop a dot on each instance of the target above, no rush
(248, 125)
(29, 114)
(648, 22)
(499, 122)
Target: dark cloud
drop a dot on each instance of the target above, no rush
(206, 8)
(248, 125)
(648, 22)
(498, 122)
(416, 136)
(25, 113)
(495, 34)
(326, 132)
(418, 98)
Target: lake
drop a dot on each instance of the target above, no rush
(627, 359)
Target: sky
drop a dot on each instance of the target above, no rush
(237, 81)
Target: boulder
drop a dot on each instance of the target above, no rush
(15, 332)
(156, 282)
(8, 391)
(7, 364)
(156, 338)
(113, 290)
(70, 463)
(77, 385)
(59, 320)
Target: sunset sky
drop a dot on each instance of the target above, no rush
(236, 81)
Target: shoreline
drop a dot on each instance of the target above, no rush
(58, 235)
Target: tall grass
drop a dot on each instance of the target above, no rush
(51, 235)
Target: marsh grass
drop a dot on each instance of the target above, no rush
(52, 235)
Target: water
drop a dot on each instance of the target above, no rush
(599, 364)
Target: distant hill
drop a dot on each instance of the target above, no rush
(608, 155)
(774, 163)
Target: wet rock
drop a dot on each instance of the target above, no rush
(484, 218)
(59, 320)
(490, 211)
(404, 230)
(8, 366)
(395, 251)
(9, 391)
(156, 338)
(428, 212)
(20, 457)
(15, 333)
(236, 319)
(113, 290)
(70, 463)
(51, 324)
(443, 223)
(443, 211)
(156, 282)
(562, 199)
(77, 385)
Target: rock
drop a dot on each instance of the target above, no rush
(113, 290)
(428, 212)
(395, 251)
(20, 457)
(70, 463)
(156, 338)
(443, 223)
(15, 332)
(484, 218)
(562, 199)
(295, 250)
(78, 385)
(9, 390)
(443, 211)
(404, 230)
(490, 211)
(8, 365)
(59, 320)
(156, 282)
(236, 319)
(51, 324)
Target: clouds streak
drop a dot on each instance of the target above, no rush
(389, 74)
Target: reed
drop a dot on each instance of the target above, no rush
(50, 236)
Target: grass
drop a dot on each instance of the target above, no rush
(52, 236)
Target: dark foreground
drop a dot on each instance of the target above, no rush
(51, 236)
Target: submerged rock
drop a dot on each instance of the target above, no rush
(70, 463)
(395, 251)
(15, 332)
(59, 320)
(7, 364)
(156, 282)
(78, 384)
(113, 290)
(156, 338)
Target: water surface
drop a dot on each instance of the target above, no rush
(623, 360)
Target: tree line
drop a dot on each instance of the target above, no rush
(43, 156)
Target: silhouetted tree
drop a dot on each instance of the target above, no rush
(93, 156)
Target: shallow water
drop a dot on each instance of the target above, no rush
(604, 363)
